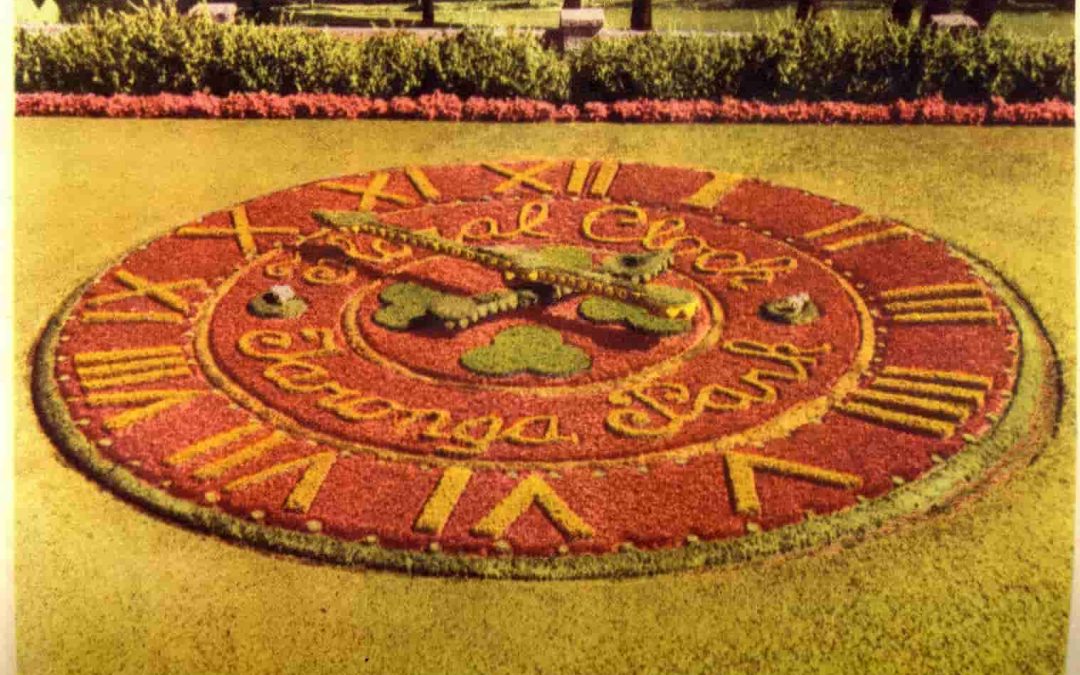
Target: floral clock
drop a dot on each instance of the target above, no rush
(544, 369)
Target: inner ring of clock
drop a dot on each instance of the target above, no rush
(340, 375)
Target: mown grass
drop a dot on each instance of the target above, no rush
(666, 16)
(104, 588)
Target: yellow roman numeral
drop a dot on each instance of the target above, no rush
(315, 469)
(374, 191)
(525, 177)
(601, 183)
(241, 231)
(246, 454)
(162, 293)
(939, 303)
(741, 467)
(443, 499)
(532, 490)
(211, 443)
(422, 183)
(858, 231)
(710, 194)
(928, 402)
(155, 401)
(120, 367)
(131, 317)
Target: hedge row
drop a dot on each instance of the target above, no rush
(824, 62)
(155, 51)
(439, 106)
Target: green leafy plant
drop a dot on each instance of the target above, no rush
(527, 349)
(825, 61)
(479, 62)
(606, 310)
(156, 50)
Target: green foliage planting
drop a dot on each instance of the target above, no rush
(479, 63)
(606, 310)
(406, 305)
(155, 51)
(823, 61)
(527, 349)
(158, 51)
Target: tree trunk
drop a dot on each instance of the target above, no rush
(427, 18)
(571, 4)
(902, 10)
(806, 9)
(931, 8)
(641, 15)
(981, 10)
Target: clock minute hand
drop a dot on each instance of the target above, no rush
(518, 266)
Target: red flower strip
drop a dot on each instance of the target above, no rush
(440, 106)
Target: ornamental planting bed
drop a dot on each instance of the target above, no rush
(547, 438)
(448, 107)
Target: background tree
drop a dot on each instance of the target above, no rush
(805, 10)
(902, 10)
(641, 15)
(981, 10)
(427, 15)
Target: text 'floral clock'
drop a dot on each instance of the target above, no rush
(544, 369)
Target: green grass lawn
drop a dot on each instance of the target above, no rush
(102, 587)
(666, 16)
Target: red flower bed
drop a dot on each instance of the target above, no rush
(440, 106)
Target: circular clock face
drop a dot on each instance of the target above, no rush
(542, 369)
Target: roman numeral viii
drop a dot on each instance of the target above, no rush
(927, 402)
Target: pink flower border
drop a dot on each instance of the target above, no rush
(448, 107)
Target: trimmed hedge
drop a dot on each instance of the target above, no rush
(156, 51)
(822, 62)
